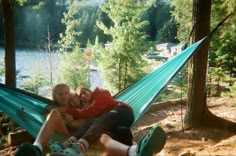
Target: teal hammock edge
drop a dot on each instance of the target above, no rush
(30, 113)
(144, 92)
(26, 111)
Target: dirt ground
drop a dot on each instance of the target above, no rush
(189, 142)
(195, 141)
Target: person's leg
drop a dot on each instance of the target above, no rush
(113, 147)
(63, 148)
(152, 143)
(121, 116)
(54, 122)
(79, 133)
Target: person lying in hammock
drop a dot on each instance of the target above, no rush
(55, 119)
(58, 121)
(120, 115)
(62, 97)
(101, 101)
(108, 115)
(92, 131)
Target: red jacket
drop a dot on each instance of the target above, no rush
(102, 102)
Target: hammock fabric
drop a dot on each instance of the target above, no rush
(29, 112)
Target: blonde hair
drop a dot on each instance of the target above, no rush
(57, 87)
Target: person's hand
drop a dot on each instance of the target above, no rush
(68, 117)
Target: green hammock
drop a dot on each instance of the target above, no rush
(29, 112)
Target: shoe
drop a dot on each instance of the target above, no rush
(69, 151)
(153, 142)
(27, 149)
(56, 146)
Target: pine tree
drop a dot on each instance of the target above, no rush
(72, 68)
(122, 60)
(68, 39)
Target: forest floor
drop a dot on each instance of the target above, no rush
(189, 142)
(195, 141)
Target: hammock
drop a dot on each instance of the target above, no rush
(29, 111)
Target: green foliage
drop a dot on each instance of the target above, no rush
(2, 69)
(222, 56)
(73, 68)
(85, 17)
(231, 93)
(223, 44)
(225, 55)
(88, 16)
(122, 60)
(68, 39)
(21, 2)
(167, 33)
(102, 16)
(33, 18)
(182, 14)
(158, 16)
(32, 21)
(37, 80)
(219, 82)
(39, 6)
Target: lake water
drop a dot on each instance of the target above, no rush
(27, 60)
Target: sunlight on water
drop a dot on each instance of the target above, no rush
(27, 60)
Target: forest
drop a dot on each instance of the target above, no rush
(34, 18)
(70, 24)
(117, 35)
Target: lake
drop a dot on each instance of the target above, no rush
(27, 59)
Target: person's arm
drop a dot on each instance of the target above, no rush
(87, 112)
(103, 101)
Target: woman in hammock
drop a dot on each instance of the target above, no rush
(108, 115)
(116, 114)
(92, 108)
(64, 98)
(58, 121)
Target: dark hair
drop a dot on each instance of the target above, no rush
(82, 88)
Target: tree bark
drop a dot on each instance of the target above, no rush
(197, 113)
(198, 64)
(9, 39)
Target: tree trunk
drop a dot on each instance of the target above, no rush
(198, 64)
(197, 113)
(9, 38)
